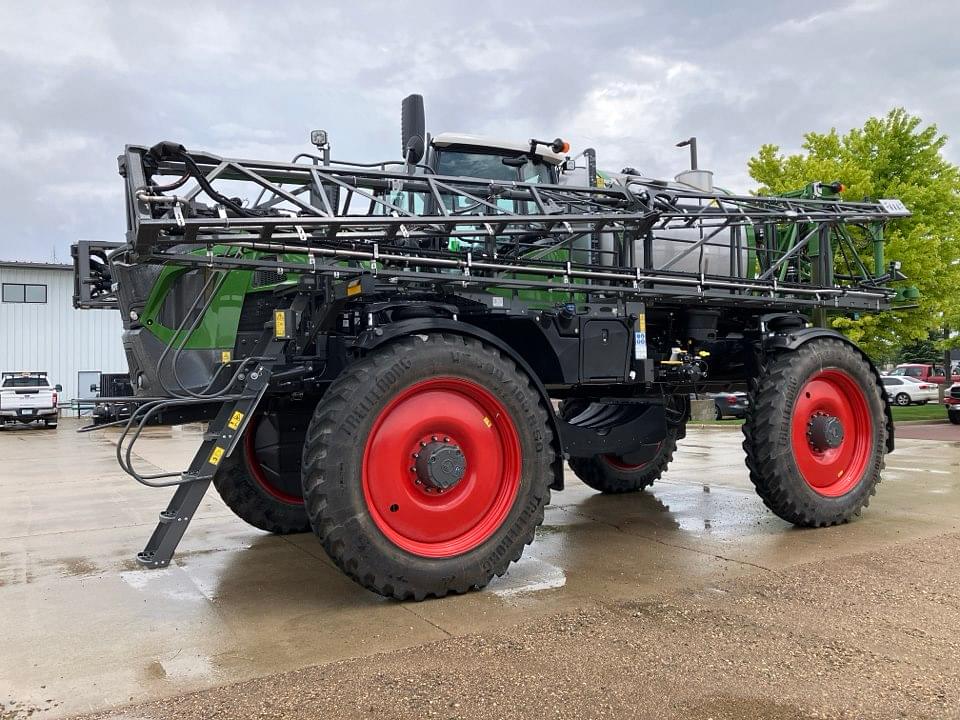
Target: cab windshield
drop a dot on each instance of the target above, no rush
(491, 167)
(488, 166)
(475, 165)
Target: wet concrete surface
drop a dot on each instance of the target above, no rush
(83, 627)
(867, 636)
(942, 430)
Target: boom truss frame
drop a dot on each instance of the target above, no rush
(344, 219)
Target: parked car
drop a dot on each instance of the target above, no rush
(906, 390)
(27, 397)
(730, 404)
(952, 401)
(927, 372)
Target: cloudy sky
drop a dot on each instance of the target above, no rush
(79, 80)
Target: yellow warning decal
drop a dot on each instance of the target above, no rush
(487, 421)
(642, 322)
(354, 288)
(215, 456)
(235, 420)
(279, 324)
(226, 356)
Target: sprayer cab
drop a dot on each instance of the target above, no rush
(475, 156)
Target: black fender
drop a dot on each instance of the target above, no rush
(375, 337)
(794, 338)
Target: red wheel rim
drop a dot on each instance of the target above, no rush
(617, 462)
(832, 471)
(256, 469)
(411, 515)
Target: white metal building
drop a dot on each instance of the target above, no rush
(41, 330)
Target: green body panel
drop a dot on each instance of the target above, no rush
(547, 298)
(751, 236)
(217, 329)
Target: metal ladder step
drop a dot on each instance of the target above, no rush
(220, 440)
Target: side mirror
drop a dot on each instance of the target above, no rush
(412, 128)
(413, 152)
(58, 387)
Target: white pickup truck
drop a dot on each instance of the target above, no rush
(27, 397)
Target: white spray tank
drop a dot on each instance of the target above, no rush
(712, 257)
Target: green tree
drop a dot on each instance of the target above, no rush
(889, 157)
(920, 351)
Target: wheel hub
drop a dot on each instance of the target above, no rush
(824, 432)
(440, 465)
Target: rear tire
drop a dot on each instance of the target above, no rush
(954, 418)
(258, 492)
(380, 514)
(825, 402)
(610, 475)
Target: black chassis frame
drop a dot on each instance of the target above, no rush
(554, 348)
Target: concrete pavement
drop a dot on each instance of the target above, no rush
(83, 627)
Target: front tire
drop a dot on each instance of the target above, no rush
(260, 481)
(427, 467)
(825, 401)
(902, 399)
(954, 418)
